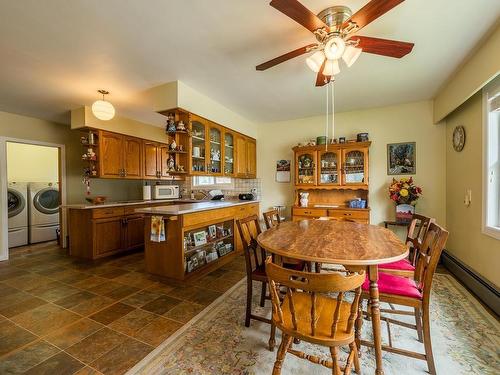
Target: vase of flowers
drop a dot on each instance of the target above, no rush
(406, 194)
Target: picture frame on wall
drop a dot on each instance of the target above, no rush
(402, 158)
(283, 171)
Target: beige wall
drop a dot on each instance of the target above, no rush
(409, 122)
(30, 128)
(32, 163)
(464, 171)
(473, 74)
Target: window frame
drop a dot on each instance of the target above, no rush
(488, 229)
(215, 185)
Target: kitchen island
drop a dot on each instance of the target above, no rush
(199, 237)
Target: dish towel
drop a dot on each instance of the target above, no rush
(157, 229)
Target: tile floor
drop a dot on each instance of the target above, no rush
(59, 315)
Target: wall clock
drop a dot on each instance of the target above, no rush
(459, 138)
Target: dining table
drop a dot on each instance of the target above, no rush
(343, 243)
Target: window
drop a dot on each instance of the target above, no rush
(213, 182)
(491, 159)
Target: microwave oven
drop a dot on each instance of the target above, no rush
(165, 191)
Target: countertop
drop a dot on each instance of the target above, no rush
(186, 208)
(86, 206)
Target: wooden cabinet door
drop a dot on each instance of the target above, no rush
(111, 155)
(200, 149)
(329, 167)
(150, 160)
(134, 236)
(229, 154)
(163, 156)
(108, 235)
(251, 158)
(241, 156)
(355, 167)
(305, 168)
(132, 157)
(214, 151)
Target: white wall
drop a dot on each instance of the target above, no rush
(411, 122)
(32, 163)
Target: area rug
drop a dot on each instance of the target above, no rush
(466, 340)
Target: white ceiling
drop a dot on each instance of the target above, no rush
(55, 54)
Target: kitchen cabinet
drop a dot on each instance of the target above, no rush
(229, 154)
(305, 168)
(120, 156)
(246, 157)
(215, 149)
(134, 231)
(150, 159)
(329, 167)
(355, 167)
(108, 235)
(198, 162)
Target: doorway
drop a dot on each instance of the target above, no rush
(32, 192)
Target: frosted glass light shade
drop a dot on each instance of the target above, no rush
(315, 61)
(331, 68)
(103, 110)
(351, 54)
(334, 48)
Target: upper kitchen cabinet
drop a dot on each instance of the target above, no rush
(215, 146)
(198, 160)
(229, 153)
(246, 157)
(305, 168)
(119, 156)
(355, 167)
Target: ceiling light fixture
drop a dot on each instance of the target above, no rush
(334, 48)
(103, 109)
(351, 54)
(315, 61)
(331, 68)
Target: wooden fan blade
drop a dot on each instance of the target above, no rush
(321, 79)
(371, 11)
(384, 47)
(299, 13)
(285, 57)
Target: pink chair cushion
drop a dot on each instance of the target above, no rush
(397, 285)
(402, 265)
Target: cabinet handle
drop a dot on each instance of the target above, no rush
(345, 214)
(124, 173)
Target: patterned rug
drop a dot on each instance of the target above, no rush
(466, 340)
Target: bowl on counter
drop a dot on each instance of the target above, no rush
(98, 199)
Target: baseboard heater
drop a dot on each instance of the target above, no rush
(481, 287)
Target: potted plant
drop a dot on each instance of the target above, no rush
(406, 194)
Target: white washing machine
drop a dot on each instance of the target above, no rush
(44, 204)
(17, 203)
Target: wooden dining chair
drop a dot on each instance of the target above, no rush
(416, 232)
(255, 257)
(271, 218)
(308, 312)
(399, 290)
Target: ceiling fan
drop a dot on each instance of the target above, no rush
(335, 28)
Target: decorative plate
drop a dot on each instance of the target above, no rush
(459, 138)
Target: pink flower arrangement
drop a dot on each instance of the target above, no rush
(404, 191)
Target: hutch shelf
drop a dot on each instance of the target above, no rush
(332, 175)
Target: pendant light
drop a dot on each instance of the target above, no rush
(103, 109)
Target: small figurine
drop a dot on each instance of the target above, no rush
(173, 145)
(171, 163)
(171, 128)
(215, 155)
(181, 148)
(180, 126)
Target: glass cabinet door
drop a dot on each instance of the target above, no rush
(329, 166)
(305, 166)
(355, 168)
(215, 156)
(228, 154)
(198, 150)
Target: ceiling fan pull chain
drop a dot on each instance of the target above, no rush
(326, 123)
(333, 111)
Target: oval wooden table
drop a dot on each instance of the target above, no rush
(339, 242)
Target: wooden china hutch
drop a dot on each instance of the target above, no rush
(333, 175)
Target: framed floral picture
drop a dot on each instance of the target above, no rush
(401, 158)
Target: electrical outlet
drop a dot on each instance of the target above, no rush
(468, 197)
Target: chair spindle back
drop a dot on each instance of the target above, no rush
(415, 235)
(271, 218)
(249, 229)
(311, 284)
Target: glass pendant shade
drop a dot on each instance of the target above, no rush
(334, 48)
(351, 54)
(315, 61)
(331, 68)
(103, 110)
